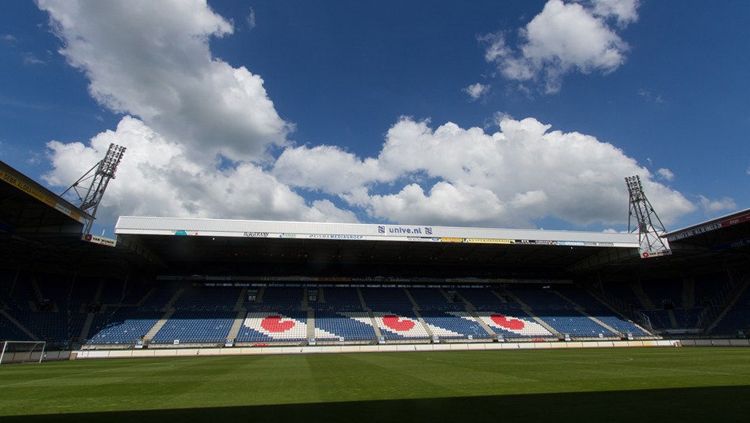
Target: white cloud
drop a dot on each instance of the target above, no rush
(713, 206)
(477, 90)
(665, 174)
(327, 169)
(151, 59)
(511, 177)
(624, 11)
(30, 59)
(444, 204)
(564, 37)
(651, 97)
(250, 19)
(158, 177)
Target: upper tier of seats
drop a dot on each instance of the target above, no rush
(201, 299)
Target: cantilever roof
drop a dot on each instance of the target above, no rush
(741, 217)
(13, 180)
(171, 226)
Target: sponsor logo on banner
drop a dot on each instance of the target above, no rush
(109, 242)
(598, 244)
(62, 209)
(655, 253)
(256, 234)
(451, 239)
(710, 227)
(405, 230)
(489, 241)
(335, 236)
(538, 242)
(735, 220)
(422, 239)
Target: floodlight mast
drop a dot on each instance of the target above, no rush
(643, 218)
(103, 172)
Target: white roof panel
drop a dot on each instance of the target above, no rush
(176, 226)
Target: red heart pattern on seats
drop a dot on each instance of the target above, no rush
(396, 323)
(275, 325)
(503, 321)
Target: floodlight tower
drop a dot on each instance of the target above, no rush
(99, 175)
(643, 218)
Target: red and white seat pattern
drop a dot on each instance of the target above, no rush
(443, 332)
(323, 334)
(398, 326)
(512, 326)
(341, 326)
(276, 326)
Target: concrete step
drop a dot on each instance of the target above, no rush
(240, 300)
(479, 320)
(473, 312)
(642, 296)
(672, 319)
(158, 325)
(98, 293)
(424, 324)
(86, 327)
(18, 324)
(145, 297)
(616, 312)
(310, 324)
(321, 295)
(411, 299)
(581, 310)
(445, 294)
(237, 324)
(362, 300)
(499, 297)
(175, 297)
(735, 296)
(376, 328)
(688, 293)
(533, 315)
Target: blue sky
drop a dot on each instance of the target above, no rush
(344, 81)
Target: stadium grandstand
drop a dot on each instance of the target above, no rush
(170, 283)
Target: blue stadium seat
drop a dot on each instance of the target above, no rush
(124, 326)
(195, 327)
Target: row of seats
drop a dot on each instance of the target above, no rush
(124, 326)
(195, 327)
(670, 303)
(207, 315)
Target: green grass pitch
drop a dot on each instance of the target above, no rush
(609, 385)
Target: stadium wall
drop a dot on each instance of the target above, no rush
(177, 352)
